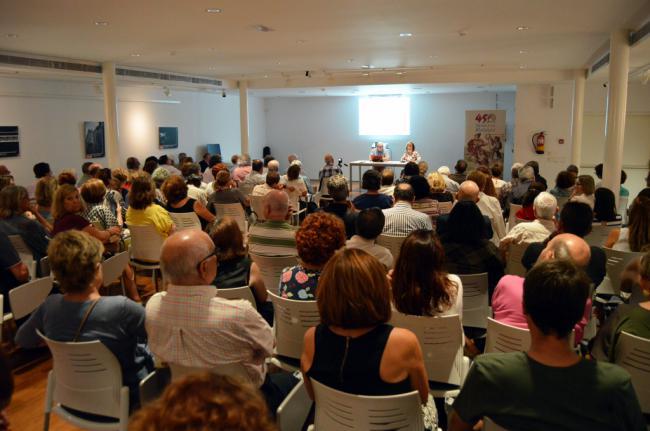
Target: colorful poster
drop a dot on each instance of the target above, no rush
(485, 137)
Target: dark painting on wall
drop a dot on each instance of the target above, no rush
(9, 141)
(214, 149)
(167, 137)
(94, 139)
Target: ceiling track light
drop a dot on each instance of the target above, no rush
(101, 23)
(213, 10)
(522, 28)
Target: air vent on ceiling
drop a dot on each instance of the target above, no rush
(49, 64)
(639, 34)
(600, 63)
(163, 76)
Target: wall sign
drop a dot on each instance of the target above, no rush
(9, 141)
(485, 136)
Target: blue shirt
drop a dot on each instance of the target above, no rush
(365, 200)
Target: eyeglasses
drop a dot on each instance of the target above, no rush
(198, 265)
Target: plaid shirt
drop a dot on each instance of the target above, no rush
(190, 326)
(328, 171)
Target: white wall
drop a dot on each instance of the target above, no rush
(50, 116)
(256, 126)
(312, 126)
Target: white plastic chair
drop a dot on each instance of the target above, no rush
(243, 292)
(336, 410)
(29, 296)
(294, 409)
(184, 221)
(25, 253)
(257, 205)
(392, 243)
(146, 243)
(512, 216)
(505, 338)
(271, 268)
(622, 208)
(246, 188)
(113, 267)
(86, 377)
(598, 235)
(513, 263)
(633, 354)
(441, 339)
(475, 299)
(234, 370)
(292, 320)
(616, 262)
(235, 211)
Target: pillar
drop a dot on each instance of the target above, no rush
(578, 116)
(110, 115)
(619, 63)
(243, 115)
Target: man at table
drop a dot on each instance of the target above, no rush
(379, 153)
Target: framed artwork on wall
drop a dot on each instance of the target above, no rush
(94, 144)
(167, 137)
(9, 141)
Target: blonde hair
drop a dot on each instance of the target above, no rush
(74, 258)
(45, 190)
(11, 198)
(58, 208)
(436, 182)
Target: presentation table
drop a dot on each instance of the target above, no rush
(369, 164)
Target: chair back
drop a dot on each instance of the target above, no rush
(24, 252)
(233, 370)
(146, 243)
(114, 266)
(29, 296)
(257, 205)
(184, 221)
(599, 234)
(505, 338)
(475, 299)
(633, 354)
(441, 340)
(235, 211)
(292, 319)
(445, 207)
(392, 243)
(512, 217)
(271, 268)
(87, 377)
(515, 254)
(246, 188)
(336, 410)
(243, 292)
(616, 262)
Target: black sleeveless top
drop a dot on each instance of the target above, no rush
(188, 207)
(351, 365)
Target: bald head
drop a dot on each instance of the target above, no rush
(468, 191)
(273, 166)
(276, 205)
(567, 246)
(182, 258)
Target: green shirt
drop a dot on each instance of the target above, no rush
(519, 393)
(637, 322)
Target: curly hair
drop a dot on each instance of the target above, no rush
(174, 189)
(74, 258)
(142, 191)
(205, 402)
(318, 238)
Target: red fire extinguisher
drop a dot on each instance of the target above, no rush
(538, 142)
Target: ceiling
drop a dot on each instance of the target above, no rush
(320, 36)
(377, 90)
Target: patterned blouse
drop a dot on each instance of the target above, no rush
(100, 216)
(299, 283)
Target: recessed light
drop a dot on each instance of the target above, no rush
(522, 27)
(213, 10)
(523, 51)
(350, 60)
(262, 28)
(11, 35)
(278, 63)
(367, 66)
(365, 74)
(399, 73)
(405, 34)
(135, 54)
(212, 68)
(522, 66)
(301, 41)
(266, 76)
(101, 23)
(172, 53)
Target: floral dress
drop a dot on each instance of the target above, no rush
(299, 283)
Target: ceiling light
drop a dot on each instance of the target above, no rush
(266, 76)
(212, 68)
(11, 35)
(135, 54)
(301, 41)
(522, 27)
(365, 74)
(350, 60)
(405, 34)
(523, 66)
(213, 10)
(367, 66)
(278, 63)
(399, 73)
(101, 23)
(523, 51)
(262, 28)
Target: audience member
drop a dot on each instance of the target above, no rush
(132, 165)
(205, 162)
(85, 176)
(467, 250)
(420, 284)
(328, 170)
(564, 183)
(371, 182)
(623, 192)
(190, 325)
(370, 223)
(67, 177)
(273, 237)
(410, 155)
(167, 163)
(82, 314)
(150, 165)
(409, 170)
(114, 181)
(514, 181)
(438, 188)
(496, 170)
(573, 169)
(527, 211)
(525, 178)
(459, 175)
(41, 169)
(636, 236)
(545, 207)
(207, 174)
(488, 188)
(488, 205)
(243, 168)
(423, 167)
(14, 208)
(317, 239)
(178, 201)
(96, 212)
(401, 219)
(469, 191)
(544, 383)
(605, 212)
(273, 166)
(13, 272)
(294, 186)
(195, 185)
(256, 176)
(225, 193)
(423, 202)
(142, 209)
(538, 178)
(598, 170)
(272, 182)
(450, 185)
(337, 189)
(387, 178)
(584, 190)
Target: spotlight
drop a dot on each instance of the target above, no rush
(223, 93)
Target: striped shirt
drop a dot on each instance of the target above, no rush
(190, 326)
(272, 238)
(401, 220)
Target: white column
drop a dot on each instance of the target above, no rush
(243, 115)
(619, 63)
(110, 115)
(578, 116)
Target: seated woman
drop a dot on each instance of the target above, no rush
(584, 190)
(354, 349)
(235, 268)
(317, 239)
(420, 284)
(294, 186)
(526, 212)
(175, 191)
(44, 194)
(14, 208)
(410, 155)
(636, 236)
(439, 188)
(142, 210)
(466, 250)
(224, 191)
(81, 314)
(605, 212)
(564, 183)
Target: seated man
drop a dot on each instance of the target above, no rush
(401, 219)
(468, 191)
(459, 175)
(549, 387)
(255, 177)
(545, 207)
(379, 153)
(274, 237)
(242, 169)
(507, 297)
(387, 179)
(329, 170)
(371, 181)
(190, 325)
(489, 206)
(337, 188)
(370, 223)
(272, 182)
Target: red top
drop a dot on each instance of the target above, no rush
(69, 221)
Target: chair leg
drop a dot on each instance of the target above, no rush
(46, 421)
(154, 280)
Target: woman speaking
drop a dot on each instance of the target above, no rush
(410, 155)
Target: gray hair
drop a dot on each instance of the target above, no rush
(337, 187)
(514, 170)
(273, 166)
(527, 173)
(545, 206)
(180, 266)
